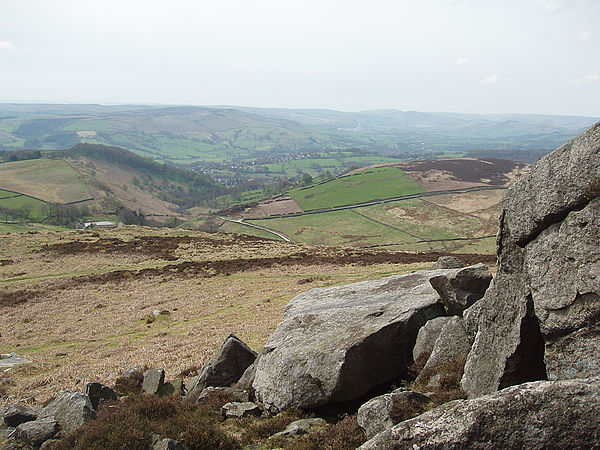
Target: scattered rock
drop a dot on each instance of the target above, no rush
(8, 360)
(237, 395)
(153, 381)
(190, 383)
(427, 336)
(460, 288)
(227, 367)
(70, 409)
(448, 262)
(543, 414)
(334, 343)
(240, 409)
(98, 393)
(17, 414)
(538, 319)
(300, 427)
(384, 411)
(35, 433)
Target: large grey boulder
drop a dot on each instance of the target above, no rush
(384, 411)
(539, 317)
(427, 336)
(335, 344)
(227, 367)
(71, 410)
(537, 415)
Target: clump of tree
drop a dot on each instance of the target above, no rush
(19, 155)
(66, 215)
(15, 214)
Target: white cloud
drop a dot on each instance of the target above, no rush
(463, 61)
(491, 79)
(585, 36)
(587, 79)
(6, 45)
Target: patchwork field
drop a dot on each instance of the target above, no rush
(87, 306)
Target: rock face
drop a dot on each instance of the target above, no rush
(98, 393)
(37, 432)
(227, 367)
(153, 381)
(17, 414)
(451, 347)
(382, 412)
(427, 336)
(539, 317)
(543, 414)
(335, 344)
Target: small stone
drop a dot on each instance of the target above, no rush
(240, 409)
(448, 262)
(237, 395)
(299, 427)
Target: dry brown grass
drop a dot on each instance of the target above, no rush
(99, 324)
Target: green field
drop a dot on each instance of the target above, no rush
(364, 186)
(10, 200)
(230, 227)
(47, 179)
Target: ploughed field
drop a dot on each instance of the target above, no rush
(88, 305)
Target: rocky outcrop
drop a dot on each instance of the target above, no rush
(543, 414)
(335, 344)
(226, 368)
(538, 319)
(383, 411)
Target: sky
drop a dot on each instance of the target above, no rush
(476, 56)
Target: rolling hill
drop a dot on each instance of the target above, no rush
(104, 180)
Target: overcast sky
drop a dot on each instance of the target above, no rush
(525, 56)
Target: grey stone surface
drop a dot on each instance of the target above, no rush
(227, 367)
(70, 409)
(35, 433)
(451, 347)
(427, 336)
(98, 393)
(153, 380)
(538, 319)
(335, 344)
(247, 378)
(448, 262)
(15, 415)
(537, 415)
(374, 416)
(300, 427)
(460, 288)
(240, 409)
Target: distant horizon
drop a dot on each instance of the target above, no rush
(317, 108)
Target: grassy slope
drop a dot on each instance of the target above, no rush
(364, 186)
(47, 179)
